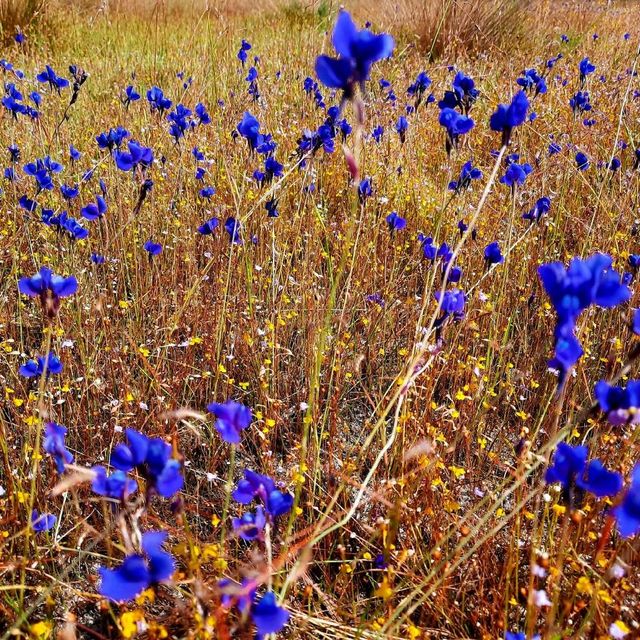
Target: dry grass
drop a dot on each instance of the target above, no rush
(391, 448)
(26, 15)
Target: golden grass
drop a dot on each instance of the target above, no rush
(406, 448)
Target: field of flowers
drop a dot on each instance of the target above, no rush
(309, 329)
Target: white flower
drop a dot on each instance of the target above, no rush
(618, 630)
(541, 599)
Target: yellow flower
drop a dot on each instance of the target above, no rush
(584, 586)
(129, 623)
(41, 630)
(384, 591)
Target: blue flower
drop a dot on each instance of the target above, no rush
(231, 419)
(268, 616)
(180, 123)
(358, 50)
(152, 248)
(551, 62)
(54, 445)
(635, 325)
(505, 118)
(541, 208)
(554, 148)
(233, 228)
(516, 174)
(452, 306)
(271, 207)
(377, 133)
(202, 115)
(419, 87)
(157, 100)
(255, 485)
(395, 222)
(138, 572)
(135, 157)
(112, 139)
(117, 485)
(250, 525)
(95, 210)
(572, 290)
(620, 404)
(492, 254)
(242, 53)
(599, 481)
(580, 102)
(208, 227)
(50, 76)
(45, 283)
(401, 127)
(42, 522)
(532, 81)
(452, 301)
(130, 95)
(249, 128)
(364, 190)
(568, 462)
(28, 205)
(582, 161)
(42, 170)
(74, 154)
(35, 368)
(585, 68)
(627, 513)
(467, 174)
(455, 126)
(152, 457)
(463, 96)
(207, 192)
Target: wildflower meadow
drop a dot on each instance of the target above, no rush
(319, 321)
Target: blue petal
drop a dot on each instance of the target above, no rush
(345, 33)
(125, 582)
(332, 72)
